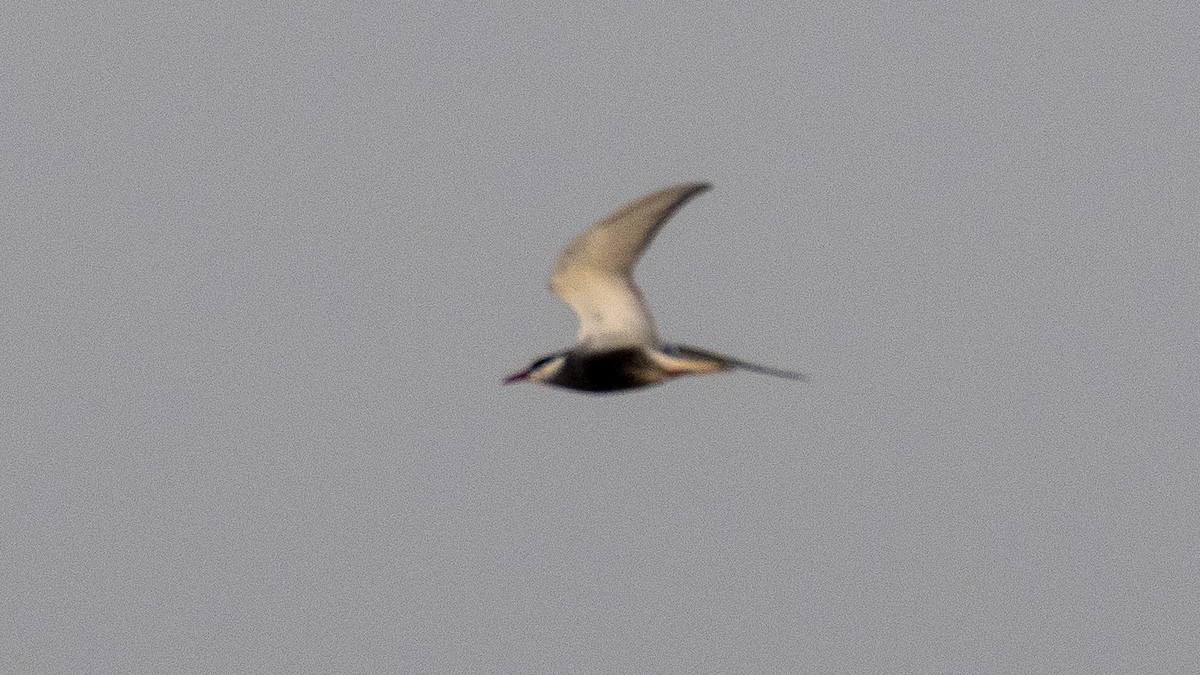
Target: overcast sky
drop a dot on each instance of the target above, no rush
(263, 268)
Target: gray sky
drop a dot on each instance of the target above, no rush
(264, 267)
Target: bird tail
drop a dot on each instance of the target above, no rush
(765, 370)
(730, 362)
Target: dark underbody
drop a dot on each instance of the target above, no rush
(608, 371)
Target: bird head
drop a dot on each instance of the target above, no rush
(541, 370)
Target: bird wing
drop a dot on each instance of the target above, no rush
(594, 273)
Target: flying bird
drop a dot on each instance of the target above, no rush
(618, 347)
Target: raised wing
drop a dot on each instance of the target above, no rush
(594, 273)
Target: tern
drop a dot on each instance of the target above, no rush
(618, 347)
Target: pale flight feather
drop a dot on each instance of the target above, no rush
(594, 273)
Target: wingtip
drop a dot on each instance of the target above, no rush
(687, 191)
(690, 187)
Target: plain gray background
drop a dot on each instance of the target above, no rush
(264, 266)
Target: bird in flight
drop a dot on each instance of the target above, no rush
(618, 347)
